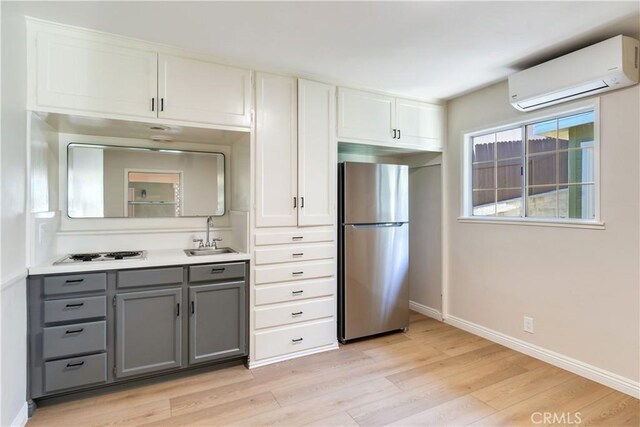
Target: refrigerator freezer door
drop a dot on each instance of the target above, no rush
(376, 279)
(375, 193)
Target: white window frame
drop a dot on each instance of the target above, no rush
(466, 204)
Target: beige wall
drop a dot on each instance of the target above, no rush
(425, 239)
(581, 286)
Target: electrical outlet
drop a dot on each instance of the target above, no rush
(528, 324)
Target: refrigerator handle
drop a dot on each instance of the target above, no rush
(379, 225)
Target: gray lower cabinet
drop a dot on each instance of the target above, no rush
(94, 329)
(148, 331)
(217, 325)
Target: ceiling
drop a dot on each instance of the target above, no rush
(429, 50)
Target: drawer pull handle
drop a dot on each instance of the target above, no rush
(74, 281)
(80, 304)
(297, 273)
(73, 365)
(217, 270)
(74, 331)
(297, 313)
(297, 238)
(296, 292)
(298, 254)
(296, 340)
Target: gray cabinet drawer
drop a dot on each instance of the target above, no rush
(76, 372)
(216, 272)
(150, 277)
(64, 310)
(73, 339)
(58, 285)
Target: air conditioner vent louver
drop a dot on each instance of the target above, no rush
(608, 65)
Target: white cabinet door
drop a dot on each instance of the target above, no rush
(276, 151)
(316, 154)
(364, 115)
(420, 124)
(200, 91)
(96, 76)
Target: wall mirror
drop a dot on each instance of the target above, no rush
(105, 181)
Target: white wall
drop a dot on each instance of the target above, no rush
(581, 286)
(44, 215)
(425, 241)
(13, 218)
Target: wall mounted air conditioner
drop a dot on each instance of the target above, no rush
(608, 65)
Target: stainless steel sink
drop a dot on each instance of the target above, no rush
(209, 251)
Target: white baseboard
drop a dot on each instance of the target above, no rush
(276, 359)
(427, 311)
(615, 381)
(21, 417)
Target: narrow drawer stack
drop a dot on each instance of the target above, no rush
(294, 293)
(74, 331)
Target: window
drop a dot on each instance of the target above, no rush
(541, 169)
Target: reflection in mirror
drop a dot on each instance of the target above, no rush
(129, 182)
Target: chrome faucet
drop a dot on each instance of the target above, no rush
(211, 243)
(209, 226)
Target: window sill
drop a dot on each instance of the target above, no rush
(592, 225)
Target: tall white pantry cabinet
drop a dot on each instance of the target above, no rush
(295, 216)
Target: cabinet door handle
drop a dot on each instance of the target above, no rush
(73, 365)
(178, 310)
(395, 133)
(295, 205)
(297, 313)
(301, 202)
(153, 104)
(296, 340)
(74, 281)
(80, 304)
(74, 331)
(161, 104)
(399, 134)
(299, 254)
(296, 292)
(297, 238)
(297, 273)
(193, 307)
(217, 270)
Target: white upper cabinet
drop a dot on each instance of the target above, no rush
(419, 123)
(365, 115)
(316, 153)
(388, 121)
(276, 151)
(295, 152)
(200, 91)
(83, 72)
(96, 76)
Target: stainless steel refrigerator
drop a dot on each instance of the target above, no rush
(373, 239)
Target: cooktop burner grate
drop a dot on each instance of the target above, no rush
(122, 255)
(84, 257)
(102, 256)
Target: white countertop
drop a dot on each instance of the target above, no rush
(154, 258)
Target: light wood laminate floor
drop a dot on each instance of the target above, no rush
(434, 375)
